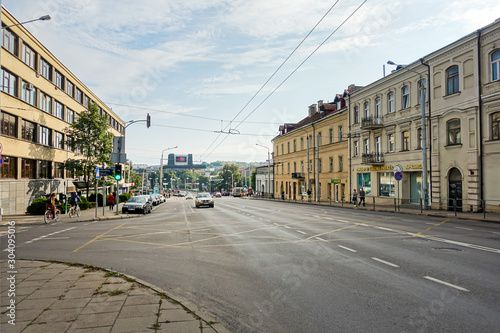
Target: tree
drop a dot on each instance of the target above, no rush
(89, 137)
(226, 174)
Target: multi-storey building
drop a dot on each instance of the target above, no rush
(40, 97)
(264, 180)
(462, 105)
(311, 156)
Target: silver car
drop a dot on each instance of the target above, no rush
(204, 199)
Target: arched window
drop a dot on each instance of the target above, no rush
(495, 65)
(356, 115)
(453, 131)
(366, 108)
(495, 126)
(452, 80)
(390, 102)
(405, 95)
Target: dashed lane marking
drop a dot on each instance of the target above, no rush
(385, 262)
(347, 248)
(446, 283)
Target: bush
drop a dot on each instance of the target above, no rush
(37, 207)
(124, 197)
(85, 204)
(99, 199)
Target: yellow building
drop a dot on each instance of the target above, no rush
(40, 97)
(311, 156)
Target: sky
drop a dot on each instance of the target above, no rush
(204, 69)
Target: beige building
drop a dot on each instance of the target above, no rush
(311, 156)
(462, 115)
(40, 97)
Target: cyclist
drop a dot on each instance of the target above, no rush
(75, 199)
(51, 204)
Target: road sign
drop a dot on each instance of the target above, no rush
(1, 160)
(1, 148)
(398, 175)
(106, 172)
(97, 175)
(397, 168)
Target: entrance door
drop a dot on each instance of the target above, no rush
(455, 189)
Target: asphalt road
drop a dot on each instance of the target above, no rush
(261, 266)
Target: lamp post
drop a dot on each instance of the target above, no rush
(185, 183)
(161, 166)
(268, 189)
(424, 192)
(232, 181)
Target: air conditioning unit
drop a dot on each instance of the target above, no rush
(29, 86)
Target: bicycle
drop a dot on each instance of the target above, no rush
(48, 216)
(74, 210)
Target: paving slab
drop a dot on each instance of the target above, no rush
(102, 307)
(135, 325)
(47, 327)
(71, 303)
(95, 320)
(56, 315)
(143, 310)
(48, 293)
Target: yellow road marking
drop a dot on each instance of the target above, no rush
(90, 241)
(436, 225)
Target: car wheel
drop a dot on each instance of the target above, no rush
(212, 206)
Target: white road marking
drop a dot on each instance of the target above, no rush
(321, 239)
(498, 233)
(276, 224)
(385, 262)
(462, 228)
(51, 234)
(446, 283)
(347, 248)
(382, 228)
(56, 238)
(287, 227)
(303, 233)
(364, 225)
(343, 221)
(471, 246)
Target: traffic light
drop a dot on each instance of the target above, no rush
(148, 121)
(118, 172)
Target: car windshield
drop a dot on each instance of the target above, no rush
(137, 199)
(203, 195)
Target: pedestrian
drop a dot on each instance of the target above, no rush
(354, 197)
(111, 201)
(361, 197)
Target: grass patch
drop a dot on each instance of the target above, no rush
(113, 274)
(115, 292)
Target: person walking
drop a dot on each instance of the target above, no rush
(354, 197)
(361, 197)
(111, 201)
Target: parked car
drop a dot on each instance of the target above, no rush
(140, 204)
(204, 199)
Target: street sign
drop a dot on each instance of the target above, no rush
(1, 160)
(397, 168)
(398, 175)
(216, 179)
(106, 172)
(97, 175)
(336, 181)
(1, 148)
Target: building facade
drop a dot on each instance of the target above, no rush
(39, 99)
(264, 180)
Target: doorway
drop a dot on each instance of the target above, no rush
(455, 189)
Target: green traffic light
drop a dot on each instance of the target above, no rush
(118, 176)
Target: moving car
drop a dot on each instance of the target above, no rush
(204, 199)
(218, 195)
(140, 204)
(189, 196)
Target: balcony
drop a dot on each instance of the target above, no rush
(373, 158)
(371, 122)
(298, 175)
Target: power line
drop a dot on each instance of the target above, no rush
(269, 79)
(286, 79)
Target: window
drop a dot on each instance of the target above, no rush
(341, 132)
(44, 169)
(390, 102)
(356, 115)
(366, 146)
(356, 148)
(45, 69)
(277, 150)
(70, 116)
(282, 168)
(294, 146)
(58, 110)
(28, 93)
(452, 80)
(58, 170)
(44, 137)
(28, 131)
(419, 135)
(28, 56)
(8, 169)
(319, 139)
(422, 84)
(378, 111)
(331, 164)
(45, 102)
(453, 129)
(495, 65)
(282, 149)
(405, 93)
(310, 166)
(69, 88)
(341, 163)
(86, 101)
(28, 168)
(288, 147)
(495, 126)
(331, 135)
(386, 184)
(59, 80)
(378, 145)
(9, 125)
(78, 95)
(10, 41)
(9, 84)
(288, 168)
(301, 166)
(405, 138)
(294, 166)
(366, 112)
(58, 140)
(301, 143)
(390, 143)
(319, 165)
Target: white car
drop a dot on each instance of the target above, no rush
(204, 199)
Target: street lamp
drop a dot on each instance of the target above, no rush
(268, 168)
(185, 183)
(232, 181)
(161, 166)
(424, 192)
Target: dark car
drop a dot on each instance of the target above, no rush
(204, 199)
(138, 205)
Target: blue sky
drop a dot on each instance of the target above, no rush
(195, 64)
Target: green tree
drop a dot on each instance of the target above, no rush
(89, 137)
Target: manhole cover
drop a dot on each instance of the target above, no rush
(448, 249)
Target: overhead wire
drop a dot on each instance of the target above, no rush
(286, 79)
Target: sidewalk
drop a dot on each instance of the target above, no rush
(55, 297)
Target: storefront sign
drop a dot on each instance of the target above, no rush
(413, 166)
(336, 181)
(391, 168)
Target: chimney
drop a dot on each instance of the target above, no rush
(312, 110)
(320, 105)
